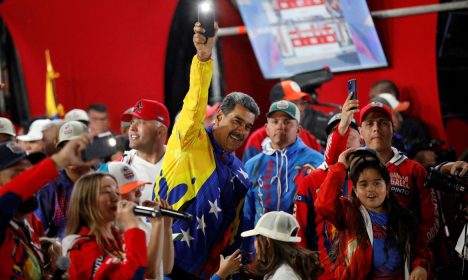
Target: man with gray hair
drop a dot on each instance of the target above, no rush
(200, 173)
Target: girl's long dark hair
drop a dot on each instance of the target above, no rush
(402, 225)
(305, 263)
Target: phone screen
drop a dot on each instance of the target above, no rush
(103, 146)
(206, 18)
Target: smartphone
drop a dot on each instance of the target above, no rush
(352, 87)
(104, 145)
(206, 17)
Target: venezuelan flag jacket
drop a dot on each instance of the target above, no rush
(199, 177)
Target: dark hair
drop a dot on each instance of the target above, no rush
(305, 263)
(385, 86)
(97, 107)
(238, 98)
(402, 226)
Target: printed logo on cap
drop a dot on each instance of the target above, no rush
(127, 173)
(376, 104)
(138, 107)
(14, 148)
(282, 105)
(295, 86)
(2, 126)
(68, 130)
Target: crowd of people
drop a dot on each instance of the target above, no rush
(357, 208)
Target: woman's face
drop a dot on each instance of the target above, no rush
(371, 190)
(109, 196)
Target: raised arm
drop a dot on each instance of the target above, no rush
(190, 122)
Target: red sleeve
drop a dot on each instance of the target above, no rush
(253, 145)
(328, 202)
(423, 256)
(87, 262)
(427, 203)
(28, 182)
(302, 204)
(335, 146)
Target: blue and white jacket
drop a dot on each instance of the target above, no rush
(274, 176)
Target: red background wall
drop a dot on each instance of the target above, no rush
(113, 52)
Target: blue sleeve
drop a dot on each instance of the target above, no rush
(9, 203)
(248, 223)
(249, 153)
(215, 277)
(317, 159)
(44, 207)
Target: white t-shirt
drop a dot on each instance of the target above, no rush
(461, 246)
(284, 271)
(146, 171)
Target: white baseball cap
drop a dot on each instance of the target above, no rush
(125, 175)
(35, 130)
(71, 130)
(277, 225)
(391, 100)
(77, 115)
(6, 127)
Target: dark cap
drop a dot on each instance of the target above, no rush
(288, 90)
(360, 156)
(10, 154)
(335, 120)
(285, 107)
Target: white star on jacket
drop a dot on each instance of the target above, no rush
(214, 207)
(201, 224)
(186, 236)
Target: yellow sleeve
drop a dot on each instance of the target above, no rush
(190, 122)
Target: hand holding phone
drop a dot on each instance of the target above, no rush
(206, 18)
(104, 145)
(352, 88)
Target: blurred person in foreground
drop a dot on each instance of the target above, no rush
(19, 239)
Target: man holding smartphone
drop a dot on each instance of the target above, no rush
(200, 173)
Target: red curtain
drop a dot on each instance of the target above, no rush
(111, 52)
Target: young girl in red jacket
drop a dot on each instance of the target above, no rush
(95, 246)
(378, 238)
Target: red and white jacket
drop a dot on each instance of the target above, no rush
(407, 184)
(117, 261)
